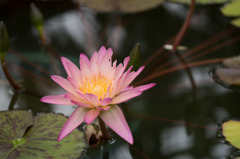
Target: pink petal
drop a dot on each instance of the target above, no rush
(94, 63)
(92, 99)
(115, 119)
(127, 88)
(128, 78)
(119, 84)
(85, 68)
(64, 62)
(121, 68)
(64, 83)
(74, 70)
(80, 104)
(91, 115)
(124, 96)
(145, 87)
(101, 53)
(73, 97)
(83, 56)
(105, 101)
(58, 99)
(104, 108)
(73, 122)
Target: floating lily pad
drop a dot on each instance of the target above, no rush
(228, 75)
(232, 9)
(232, 62)
(230, 130)
(22, 136)
(200, 1)
(126, 6)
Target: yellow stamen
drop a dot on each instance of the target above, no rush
(97, 85)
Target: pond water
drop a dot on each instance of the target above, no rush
(172, 120)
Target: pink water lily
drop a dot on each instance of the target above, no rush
(96, 88)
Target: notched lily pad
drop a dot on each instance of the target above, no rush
(125, 6)
(22, 136)
(229, 74)
(230, 131)
(232, 9)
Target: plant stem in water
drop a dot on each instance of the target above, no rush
(103, 128)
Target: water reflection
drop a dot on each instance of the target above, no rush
(122, 151)
(72, 28)
(175, 140)
(73, 31)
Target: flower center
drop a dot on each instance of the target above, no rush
(97, 85)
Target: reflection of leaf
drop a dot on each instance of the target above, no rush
(200, 1)
(24, 137)
(128, 6)
(230, 130)
(232, 9)
(193, 115)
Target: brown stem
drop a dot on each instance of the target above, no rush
(216, 47)
(184, 27)
(15, 86)
(30, 63)
(103, 129)
(51, 52)
(176, 68)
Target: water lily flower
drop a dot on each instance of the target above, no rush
(96, 88)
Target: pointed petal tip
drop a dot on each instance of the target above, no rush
(42, 99)
(115, 119)
(102, 47)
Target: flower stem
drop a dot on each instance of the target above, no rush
(103, 128)
(15, 86)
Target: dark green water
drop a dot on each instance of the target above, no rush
(166, 121)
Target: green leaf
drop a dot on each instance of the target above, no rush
(230, 130)
(203, 2)
(21, 136)
(135, 58)
(236, 22)
(125, 6)
(232, 9)
(36, 17)
(4, 41)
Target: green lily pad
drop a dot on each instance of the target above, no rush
(125, 6)
(203, 2)
(22, 136)
(230, 130)
(232, 9)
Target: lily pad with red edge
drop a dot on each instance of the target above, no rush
(22, 136)
(230, 130)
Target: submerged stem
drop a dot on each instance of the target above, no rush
(103, 128)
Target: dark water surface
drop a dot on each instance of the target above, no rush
(166, 121)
